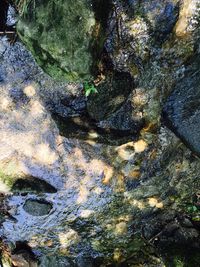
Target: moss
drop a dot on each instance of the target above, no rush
(62, 37)
(6, 179)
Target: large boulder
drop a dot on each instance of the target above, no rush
(136, 28)
(64, 36)
(182, 110)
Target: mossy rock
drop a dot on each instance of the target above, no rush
(65, 37)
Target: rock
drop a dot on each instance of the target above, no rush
(112, 93)
(181, 112)
(67, 43)
(112, 109)
(136, 28)
(54, 261)
(32, 184)
(124, 121)
(23, 260)
(96, 213)
(37, 207)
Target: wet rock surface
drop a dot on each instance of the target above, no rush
(65, 42)
(130, 204)
(37, 207)
(181, 111)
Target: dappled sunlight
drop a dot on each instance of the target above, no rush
(154, 202)
(36, 108)
(137, 203)
(121, 228)
(140, 146)
(86, 213)
(90, 142)
(127, 151)
(83, 194)
(44, 154)
(137, 26)
(125, 154)
(187, 11)
(68, 238)
(29, 91)
(100, 167)
(139, 97)
(93, 135)
(5, 104)
(98, 190)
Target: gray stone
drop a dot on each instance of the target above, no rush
(37, 207)
(182, 110)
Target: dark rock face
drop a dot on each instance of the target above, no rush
(123, 120)
(135, 28)
(111, 108)
(112, 93)
(3, 14)
(32, 184)
(182, 110)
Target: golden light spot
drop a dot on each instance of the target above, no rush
(29, 90)
(139, 98)
(78, 153)
(44, 154)
(127, 145)
(117, 256)
(68, 238)
(102, 168)
(159, 205)
(86, 213)
(186, 12)
(153, 202)
(140, 146)
(139, 204)
(121, 228)
(93, 135)
(125, 218)
(125, 154)
(108, 174)
(90, 142)
(83, 194)
(4, 103)
(150, 127)
(36, 108)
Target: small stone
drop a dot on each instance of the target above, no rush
(140, 146)
(37, 207)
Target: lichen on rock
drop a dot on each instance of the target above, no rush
(64, 36)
